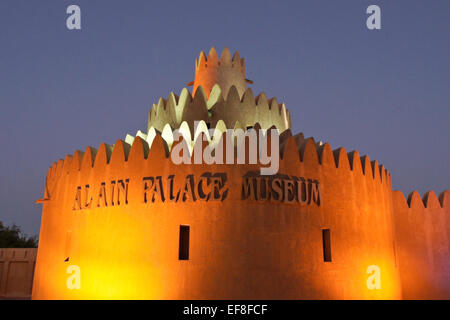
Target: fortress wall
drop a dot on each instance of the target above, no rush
(423, 244)
(238, 248)
(16, 272)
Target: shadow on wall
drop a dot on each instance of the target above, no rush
(16, 272)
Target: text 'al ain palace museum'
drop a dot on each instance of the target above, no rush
(124, 221)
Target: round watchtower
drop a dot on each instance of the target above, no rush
(224, 71)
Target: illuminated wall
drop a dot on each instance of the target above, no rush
(423, 241)
(239, 248)
(327, 226)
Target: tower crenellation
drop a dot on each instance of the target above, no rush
(225, 71)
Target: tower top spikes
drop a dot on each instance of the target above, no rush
(225, 71)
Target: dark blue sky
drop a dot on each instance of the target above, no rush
(385, 93)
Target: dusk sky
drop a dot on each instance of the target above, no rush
(385, 93)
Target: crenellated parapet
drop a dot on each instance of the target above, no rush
(225, 71)
(422, 229)
(232, 110)
(429, 200)
(219, 94)
(158, 146)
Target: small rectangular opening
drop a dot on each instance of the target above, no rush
(183, 249)
(326, 242)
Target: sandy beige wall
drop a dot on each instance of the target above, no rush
(16, 272)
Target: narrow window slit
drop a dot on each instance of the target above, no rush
(326, 242)
(183, 249)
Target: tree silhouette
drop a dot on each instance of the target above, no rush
(12, 237)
